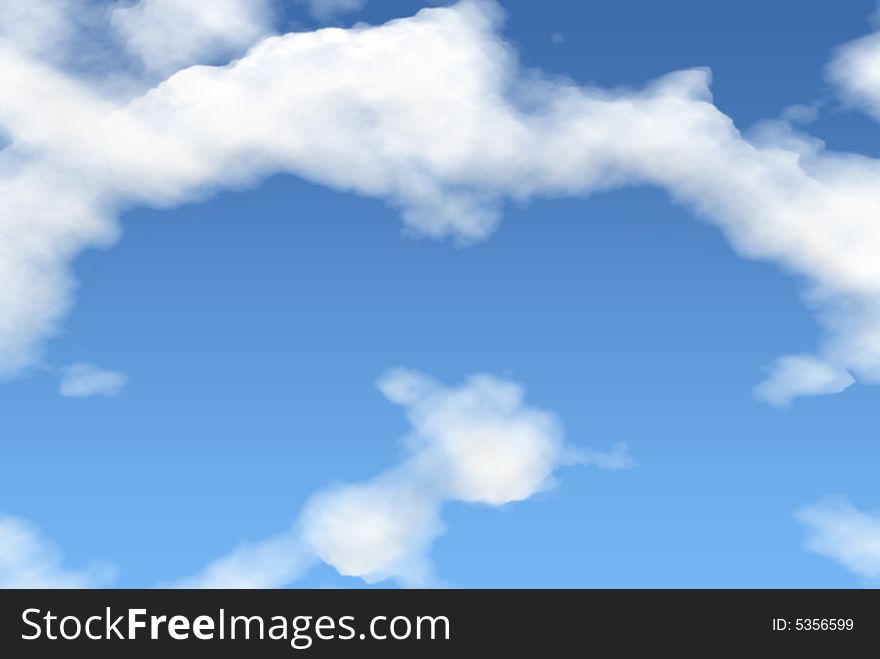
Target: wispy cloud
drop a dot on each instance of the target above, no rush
(268, 564)
(83, 380)
(28, 560)
(801, 375)
(840, 531)
(478, 443)
(617, 459)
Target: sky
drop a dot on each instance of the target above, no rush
(508, 294)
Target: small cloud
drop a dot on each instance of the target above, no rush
(557, 37)
(793, 376)
(28, 560)
(376, 530)
(82, 380)
(838, 530)
(801, 114)
(855, 72)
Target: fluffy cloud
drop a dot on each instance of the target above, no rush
(27, 560)
(838, 530)
(430, 113)
(478, 443)
(82, 380)
(376, 530)
(855, 70)
(167, 35)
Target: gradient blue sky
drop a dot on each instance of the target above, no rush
(252, 328)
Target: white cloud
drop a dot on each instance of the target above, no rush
(27, 560)
(167, 35)
(82, 380)
(801, 375)
(478, 443)
(46, 29)
(327, 10)
(433, 115)
(376, 530)
(801, 114)
(838, 530)
(855, 71)
(267, 564)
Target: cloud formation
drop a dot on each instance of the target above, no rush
(432, 114)
(83, 380)
(478, 443)
(841, 532)
(28, 560)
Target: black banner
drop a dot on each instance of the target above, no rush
(113, 623)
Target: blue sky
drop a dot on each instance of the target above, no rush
(251, 326)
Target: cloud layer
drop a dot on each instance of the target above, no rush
(838, 530)
(430, 113)
(434, 115)
(478, 443)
